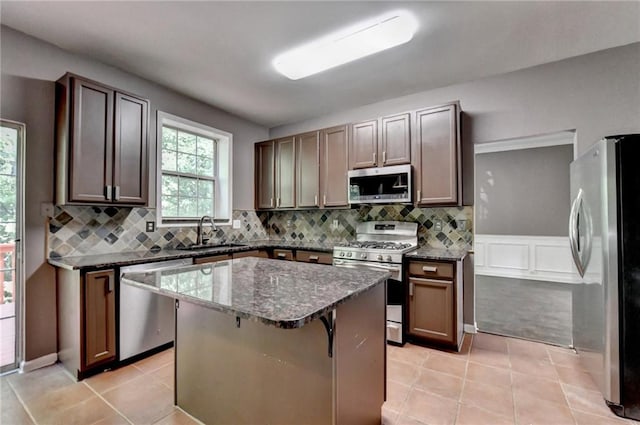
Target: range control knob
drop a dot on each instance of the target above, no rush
(342, 254)
(349, 254)
(363, 256)
(388, 258)
(379, 257)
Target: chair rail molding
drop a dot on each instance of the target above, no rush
(546, 258)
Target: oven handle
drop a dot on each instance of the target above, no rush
(359, 265)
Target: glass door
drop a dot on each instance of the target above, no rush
(11, 223)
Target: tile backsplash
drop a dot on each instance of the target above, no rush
(98, 230)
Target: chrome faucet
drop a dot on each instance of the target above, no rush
(201, 239)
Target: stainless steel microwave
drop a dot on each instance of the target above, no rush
(382, 185)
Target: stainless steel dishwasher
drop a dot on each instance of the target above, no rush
(147, 320)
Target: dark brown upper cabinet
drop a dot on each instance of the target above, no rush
(363, 146)
(308, 169)
(101, 144)
(265, 175)
(285, 172)
(395, 137)
(381, 142)
(334, 166)
(437, 157)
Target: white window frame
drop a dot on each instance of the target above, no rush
(223, 190)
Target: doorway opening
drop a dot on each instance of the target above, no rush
(12, 137)
(523, 269)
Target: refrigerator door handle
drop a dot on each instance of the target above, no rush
(574, 232)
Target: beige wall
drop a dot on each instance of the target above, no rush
(29, 69)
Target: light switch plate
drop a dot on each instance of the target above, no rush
(151, 226)
(437, 225)
(236, 224)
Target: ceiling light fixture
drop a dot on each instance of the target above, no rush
(355, 42)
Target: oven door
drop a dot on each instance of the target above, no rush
(396, 295)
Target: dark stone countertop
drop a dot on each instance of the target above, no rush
(139, 257)
(285, 294)
(428, 253)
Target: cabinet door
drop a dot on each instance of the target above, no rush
(431, 309)
(285, 173)
(308, 169)
(130, 168)
(91, 135)
(437, 149)
(259, 253)
(396, 140)
(265, 175)
(363, 152)
(335, 164)
(99, 317)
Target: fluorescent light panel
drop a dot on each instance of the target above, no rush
(360, 40)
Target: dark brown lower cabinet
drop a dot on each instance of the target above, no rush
(314, 257)
(86, 320)
(434, 307)
(99, 317)
(260, 253)
(212, 259)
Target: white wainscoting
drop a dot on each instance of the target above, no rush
(545, 258)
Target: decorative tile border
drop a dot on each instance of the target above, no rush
(98, 230)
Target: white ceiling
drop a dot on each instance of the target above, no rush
(221, 52)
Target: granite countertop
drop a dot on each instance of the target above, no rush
(285, 294)
(428, 253)
(139, 257)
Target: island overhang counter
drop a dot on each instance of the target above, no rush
(262, 341)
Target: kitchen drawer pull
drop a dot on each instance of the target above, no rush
(313, 258)
(431, 269)
(282, 255)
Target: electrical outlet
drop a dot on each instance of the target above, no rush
(437, 225)
(462, 224)
(289, 224)
(335, 224)
(151, 226)
(236, 224)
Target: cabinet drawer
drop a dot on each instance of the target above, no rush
(432, 269)
(261, 253)
(212, 259)
(283, 254)
(314, 257)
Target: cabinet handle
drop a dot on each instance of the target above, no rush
(418, 195)
(281, 255)
(384, 157)
(109, 285)
(271, 202)
(107, 192)
(116, 195)
(411, 289)
(324, 200)
(313, 258)
(315, 200)
(374, 157)
(279, 202)
(431, 269)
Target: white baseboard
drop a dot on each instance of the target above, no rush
(470, 329)
(28, 366)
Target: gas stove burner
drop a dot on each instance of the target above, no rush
(377, 245)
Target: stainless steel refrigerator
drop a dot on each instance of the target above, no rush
(604, 234)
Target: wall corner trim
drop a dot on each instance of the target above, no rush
(530, 142)
(46, 360)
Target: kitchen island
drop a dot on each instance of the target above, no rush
(268, 341)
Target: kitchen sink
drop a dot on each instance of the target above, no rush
(211, 246)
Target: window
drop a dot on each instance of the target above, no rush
(194, 177)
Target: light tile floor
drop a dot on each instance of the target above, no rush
(493, 380)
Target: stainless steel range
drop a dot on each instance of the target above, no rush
(380, 245)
